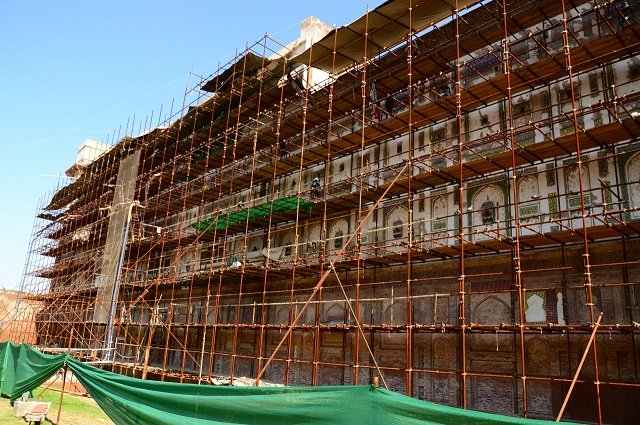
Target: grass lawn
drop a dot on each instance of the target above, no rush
(76, 410)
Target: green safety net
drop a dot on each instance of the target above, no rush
(129, 401)
(291, 203)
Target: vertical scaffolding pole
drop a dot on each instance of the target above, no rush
(363, 95)
(325, 195)
(226, 162)
(276, 155)
(588, 285)
(410, 247)
(209, 264)
(248, 205)
(174, 264)
(236, 139)
(462, 343)
(517, 266)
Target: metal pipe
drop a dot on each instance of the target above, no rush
(517, 265)
(586, 257)
(462, 342)
(410, 200)
(364, 95)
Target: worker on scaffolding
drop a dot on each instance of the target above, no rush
(283, 149)
(373, 95)
(315, 188)
(389, 105)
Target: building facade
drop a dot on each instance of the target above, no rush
(445, 195)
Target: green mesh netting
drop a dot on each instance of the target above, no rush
(291, 203)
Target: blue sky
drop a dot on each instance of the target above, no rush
(73, 70)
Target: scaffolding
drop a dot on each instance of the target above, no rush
(443, 194)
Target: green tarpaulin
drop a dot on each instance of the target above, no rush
(292, 203)
(23, 369)
(130, 401)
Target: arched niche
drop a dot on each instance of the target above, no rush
(487, 210)
(395, 313)
(287, 242)
(535, 307)
(439, 220)
(528, 204)
(333, 313)
(439, 208)
(491, 310)
(572, 188)
(309, 315)
(338, 234)
(187, 260)
(633, 180)
(368, 232)
(528, 189)
(573, 180)
(588, 366)
(314, 240)
(282, 315)
(255, 243)
(396, 225)
(538, 358)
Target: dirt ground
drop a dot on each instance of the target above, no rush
(76, 410)
(71, 384)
